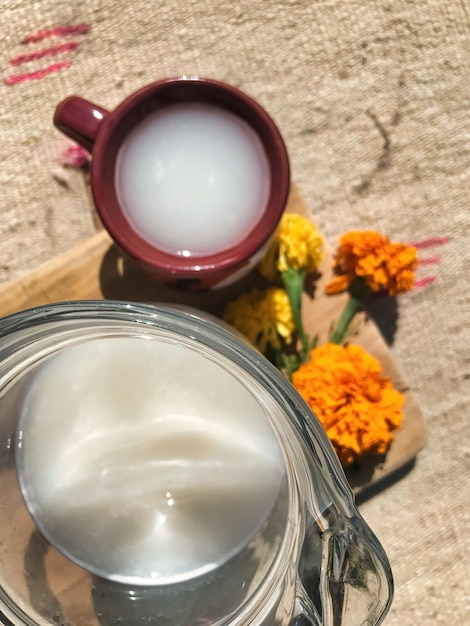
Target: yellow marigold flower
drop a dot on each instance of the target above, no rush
(357, 406)
(264, 317)
(297, 245)
(382, 264)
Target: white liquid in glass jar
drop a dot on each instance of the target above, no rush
(192, 179)
(145, 461)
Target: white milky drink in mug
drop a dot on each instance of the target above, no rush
(193, 179)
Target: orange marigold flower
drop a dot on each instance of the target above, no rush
(357, 406)
(382, 264)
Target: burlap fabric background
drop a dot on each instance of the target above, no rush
(373, 99)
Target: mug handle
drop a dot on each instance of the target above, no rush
(80, 120)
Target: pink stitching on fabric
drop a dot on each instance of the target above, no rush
(432, 241)
(69, 46)
(21, 78)
(57, 31)
(424, 282)
(432, 260)
(75, 156)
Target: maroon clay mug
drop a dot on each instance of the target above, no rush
(190, 177)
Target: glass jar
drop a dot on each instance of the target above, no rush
(313, 561)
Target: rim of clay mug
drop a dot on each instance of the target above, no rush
(133, 109)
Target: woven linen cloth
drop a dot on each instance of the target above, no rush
(373, 100)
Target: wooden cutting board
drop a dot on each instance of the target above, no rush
(96, 269)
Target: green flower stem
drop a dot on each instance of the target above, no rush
(352, 307)
(358, 293)
(293, 281)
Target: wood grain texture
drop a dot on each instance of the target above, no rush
(96, 269)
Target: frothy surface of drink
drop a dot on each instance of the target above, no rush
(144, 460)
(192, 179)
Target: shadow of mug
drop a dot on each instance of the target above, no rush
(121, 279)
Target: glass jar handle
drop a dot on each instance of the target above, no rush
(344, 578)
